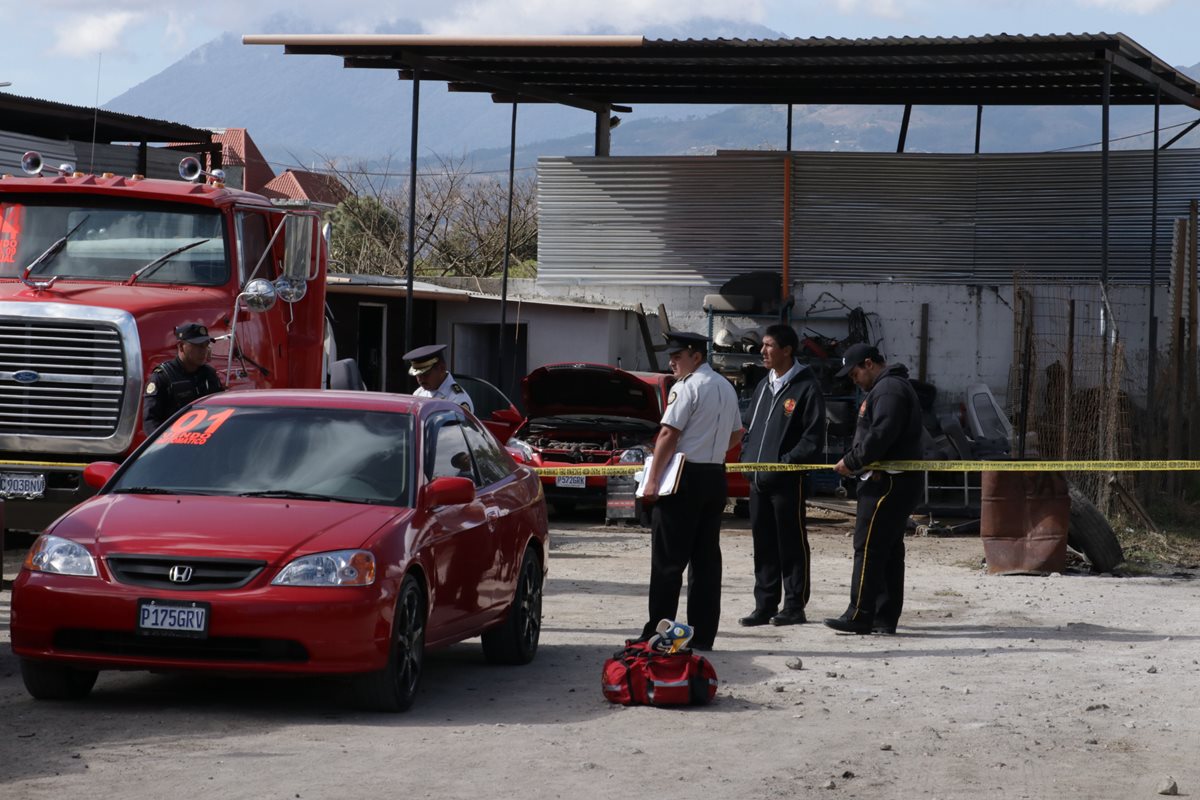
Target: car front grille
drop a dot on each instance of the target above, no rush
(60, 377)
(215, 648)
(189, 573)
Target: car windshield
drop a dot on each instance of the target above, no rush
(110, 239)
(340, 455)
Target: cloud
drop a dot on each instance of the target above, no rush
(85, 35)
(553, 16)
(1129, 6)
(886, 9)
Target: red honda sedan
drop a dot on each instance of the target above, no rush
(302, 532)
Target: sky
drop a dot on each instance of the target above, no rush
(84, 51)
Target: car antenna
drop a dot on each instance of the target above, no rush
(95, 115)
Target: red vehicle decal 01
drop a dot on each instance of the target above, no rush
(10, 231)
(196, 426)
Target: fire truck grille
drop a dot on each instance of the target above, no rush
(60, 378)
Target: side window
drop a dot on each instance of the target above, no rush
(491, 460)
(253, 235)
(446, 452)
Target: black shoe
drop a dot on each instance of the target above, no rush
(843, 624)
(761, 616)
(790, 616)
(883, 628)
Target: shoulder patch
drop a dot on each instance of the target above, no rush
(464, 405)
(456, 388)
(671, 397)
(151, 388)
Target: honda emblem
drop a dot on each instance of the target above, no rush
(180, 574)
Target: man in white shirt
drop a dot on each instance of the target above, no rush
(702, 422)
(428, 365)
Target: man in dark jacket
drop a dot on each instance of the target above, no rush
(175, 383)
(889, 429)
(784, 423)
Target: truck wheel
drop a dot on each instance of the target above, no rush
(1090, 534)
(515, 641)
(46, 681)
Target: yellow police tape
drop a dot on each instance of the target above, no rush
(917, 466)
(28, 464)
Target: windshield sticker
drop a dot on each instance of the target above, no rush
(196, 427)
(10, 232)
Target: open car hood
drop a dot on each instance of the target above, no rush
(589, 389)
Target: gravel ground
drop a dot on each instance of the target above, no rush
(999, 687)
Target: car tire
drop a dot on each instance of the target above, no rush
(394, 687)
(45, 681)
(515, 641)
(1090, 534)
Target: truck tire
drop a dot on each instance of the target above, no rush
(1090, 534)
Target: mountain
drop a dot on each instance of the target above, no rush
(309, 110)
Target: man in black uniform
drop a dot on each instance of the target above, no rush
(701, 422)
(175, 383)
(784, 423)
(889, 429)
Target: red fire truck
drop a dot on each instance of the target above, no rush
(96, 271)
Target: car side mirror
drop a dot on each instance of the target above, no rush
(448, 491)
(97, 473)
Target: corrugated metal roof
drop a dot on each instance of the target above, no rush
(1052, 69)
(35, 117)
(699, 221)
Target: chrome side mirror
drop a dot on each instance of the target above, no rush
(290, 290)
(259, 295)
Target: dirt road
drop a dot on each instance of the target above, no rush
(996, 687)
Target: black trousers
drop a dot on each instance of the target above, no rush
(686, 532)
(781, 551)
(877, 583)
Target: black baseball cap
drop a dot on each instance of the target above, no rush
(855, 355)
(193, 333)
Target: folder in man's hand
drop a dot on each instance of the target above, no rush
(668, 482)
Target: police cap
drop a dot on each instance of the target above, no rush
(423, 359)
(855, 355)
(685, 340)
(193, 333)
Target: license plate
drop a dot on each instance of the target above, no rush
(571, 481)
(22, 484)
(172, 618)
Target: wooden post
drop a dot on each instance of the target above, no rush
(1068, 382)
(1175, 383)
(923, 359)
(1193, 394)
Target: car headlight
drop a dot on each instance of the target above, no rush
(336, 568)
(634, 455)
(60, 556)
(523, 448)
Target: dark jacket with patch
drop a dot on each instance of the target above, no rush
(889, 422)
(171, 387)
(787, 427)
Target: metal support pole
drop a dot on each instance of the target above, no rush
(501, 370)
(412, 211)
(1107, 98)
(978, 126)
(789, 127)
(603, 133)
(904, 128)
(1152, 360)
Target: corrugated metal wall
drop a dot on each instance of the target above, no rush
(116, 158)
(15, 145)
(698, 221)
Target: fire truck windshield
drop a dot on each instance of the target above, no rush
(113, 240)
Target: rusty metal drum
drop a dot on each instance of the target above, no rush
(1023, 522)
